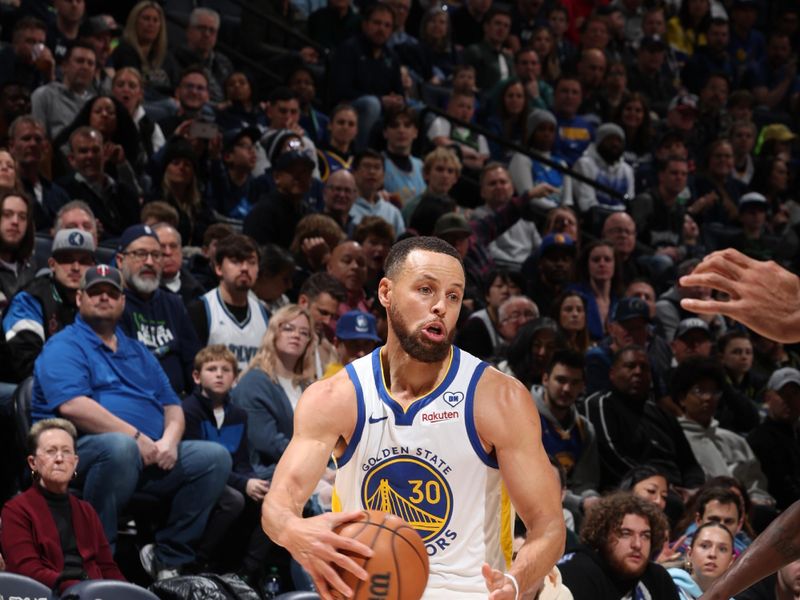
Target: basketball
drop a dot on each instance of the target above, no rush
(398, 569)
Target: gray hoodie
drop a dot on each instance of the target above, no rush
(583, 479)
(723, 452)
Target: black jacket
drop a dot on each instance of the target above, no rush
(631, 433)
(589, 577)
(274, 219)
(355, 72)
(117, 209)
(777, 447)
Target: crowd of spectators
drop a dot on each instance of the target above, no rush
(188, 240)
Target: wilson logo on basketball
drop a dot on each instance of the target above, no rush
(379, 584)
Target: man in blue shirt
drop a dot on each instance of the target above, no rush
(113, 389)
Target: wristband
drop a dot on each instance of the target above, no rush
(137, 435)
(516, 585)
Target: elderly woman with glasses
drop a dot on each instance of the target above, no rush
(50, 535)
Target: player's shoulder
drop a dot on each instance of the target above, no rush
(331, 393)
(502, 384)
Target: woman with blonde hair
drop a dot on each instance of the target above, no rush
(144, 47)
(273, 382)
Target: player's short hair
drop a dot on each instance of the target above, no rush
(323, 283)
(605, 520)
(400, 251)
(236, 246)
(213, 353)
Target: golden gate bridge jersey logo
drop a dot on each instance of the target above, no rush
(411, 489)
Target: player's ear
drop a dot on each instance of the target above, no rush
(385, 291)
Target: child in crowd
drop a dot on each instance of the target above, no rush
(211, 416)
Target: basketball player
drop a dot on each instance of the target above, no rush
(427, 431)
(764, 297)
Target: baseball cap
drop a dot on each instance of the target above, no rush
(72, 240)
(450, 223)
(783, 376)
(777, 131)
(557, 240)
(231, 137)
(753, 198)
(653, 42)
(97, 25)
(691, 324)
(357, 325)
(133, 233)
(631, 308)
(683, 102)
(102, 274)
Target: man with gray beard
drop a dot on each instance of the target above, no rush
(154, 316)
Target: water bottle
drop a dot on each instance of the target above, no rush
(272, 584)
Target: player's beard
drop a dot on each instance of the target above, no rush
(415, 344)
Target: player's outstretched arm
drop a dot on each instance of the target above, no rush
(777, 546)
(763, 296)
(325, 413)
(508, 422)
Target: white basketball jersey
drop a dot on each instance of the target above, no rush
(427, 466)
(243, 339)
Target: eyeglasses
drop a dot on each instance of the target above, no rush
(701, 393)
(52, 453)
(143, 254)
(291, 329)
(339, 189)
(517, 315)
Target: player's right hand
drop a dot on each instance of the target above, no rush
(319, 550)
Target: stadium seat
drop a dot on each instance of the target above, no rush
(19, 586)
(107, 589)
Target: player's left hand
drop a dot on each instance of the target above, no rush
(167, 454)
(499, 586)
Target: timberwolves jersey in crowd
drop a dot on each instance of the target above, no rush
(426, 464)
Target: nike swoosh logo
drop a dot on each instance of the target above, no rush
(378, 420)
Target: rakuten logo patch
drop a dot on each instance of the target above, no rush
(438, 417)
